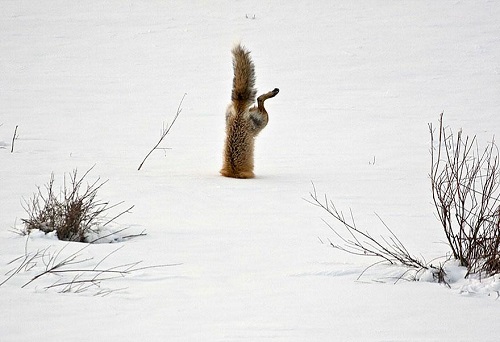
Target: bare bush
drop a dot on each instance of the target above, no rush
(73, 214)
(465, 189)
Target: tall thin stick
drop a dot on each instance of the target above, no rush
(164, 132)
(14, 137)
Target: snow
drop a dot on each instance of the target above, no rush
(91, 83)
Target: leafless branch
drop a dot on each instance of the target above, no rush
(14, 137)
(355, 241)
(75, 273)
(164, 133)
(389, 249)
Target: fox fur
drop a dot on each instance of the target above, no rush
(243, 121)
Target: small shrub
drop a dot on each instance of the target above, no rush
(74, 214)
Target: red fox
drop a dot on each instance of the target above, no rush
(242, 122)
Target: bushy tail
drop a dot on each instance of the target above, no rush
(244, 92)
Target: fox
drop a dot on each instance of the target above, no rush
(243, 121)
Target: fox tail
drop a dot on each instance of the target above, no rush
(244, 92)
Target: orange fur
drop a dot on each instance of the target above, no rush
(242, 122)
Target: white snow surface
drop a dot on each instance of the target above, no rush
(92, 82)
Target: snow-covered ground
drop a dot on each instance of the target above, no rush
(92, 82)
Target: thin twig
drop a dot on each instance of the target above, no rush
(14, 137)
(164, 132)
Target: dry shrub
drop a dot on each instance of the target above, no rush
(465, 188)
(73, 214)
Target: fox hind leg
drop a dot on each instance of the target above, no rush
(258, 114)
(268, 95)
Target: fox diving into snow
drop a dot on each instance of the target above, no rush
(243, 122)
